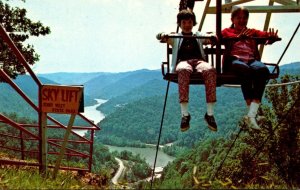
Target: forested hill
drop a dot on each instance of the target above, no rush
(133, 114)
(108, 85)
(119, 88)
(70, 78)
(11, 101)
(112, 85)
(291, 69)
(136, 115)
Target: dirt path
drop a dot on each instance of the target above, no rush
(119, 172)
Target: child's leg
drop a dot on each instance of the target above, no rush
(260, 76)
(244, 72)
(184, 70)
(210, 80)
(184, 108)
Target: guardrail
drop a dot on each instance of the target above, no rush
(29, 137)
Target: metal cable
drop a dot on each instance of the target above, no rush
(160, 130)
(268, 85)
(231, 146)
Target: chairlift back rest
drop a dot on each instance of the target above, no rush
(224, 77)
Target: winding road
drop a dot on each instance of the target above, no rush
(119, 172)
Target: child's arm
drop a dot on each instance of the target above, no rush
(163, 37)
(211, 38)
(228, 33)
(270, 36)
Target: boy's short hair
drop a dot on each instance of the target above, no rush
(185, 15)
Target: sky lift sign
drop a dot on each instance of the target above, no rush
(62, 99)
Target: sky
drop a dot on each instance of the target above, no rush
(119, 35)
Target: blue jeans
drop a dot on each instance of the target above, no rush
(253, 76)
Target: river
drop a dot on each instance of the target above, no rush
(148, 153)
(93, 114)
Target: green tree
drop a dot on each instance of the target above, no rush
(20, 28)
(285, 143)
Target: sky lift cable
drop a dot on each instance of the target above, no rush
(160, 130)
(222, 162)
(268, 85)
(291, 39)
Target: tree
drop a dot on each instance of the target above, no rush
(285, 143)
(19, 28)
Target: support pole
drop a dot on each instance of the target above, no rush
(219, 34)
(63, 147)
(66, 137)
(91, 150)
(43, 144)
(22, 145)
(266, 26)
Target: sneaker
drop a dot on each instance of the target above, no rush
(260, 118)
(210, 120)
(251, 122)
(185, 123)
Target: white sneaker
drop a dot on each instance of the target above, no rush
(260, 118)
(251, 122)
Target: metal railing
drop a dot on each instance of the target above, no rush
(30, 133)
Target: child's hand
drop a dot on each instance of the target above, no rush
(246, 33)
(272, 35)
(163, 36)
(160, 36)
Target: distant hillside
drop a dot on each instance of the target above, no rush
(108, 86)
(140, 110)
(94, 86)
(291, 66)
(139, 120)
(70, 78)
(125, 87)
(155, 87)
(136, 101)
(291, 69)
(11, 101)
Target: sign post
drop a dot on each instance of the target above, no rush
(44, 147)
(61, 100)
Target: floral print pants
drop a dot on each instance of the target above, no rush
(184, 70)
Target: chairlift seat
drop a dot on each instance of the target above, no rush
(222, 78)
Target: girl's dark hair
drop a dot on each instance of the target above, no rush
(235, 11)
(185, 15)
